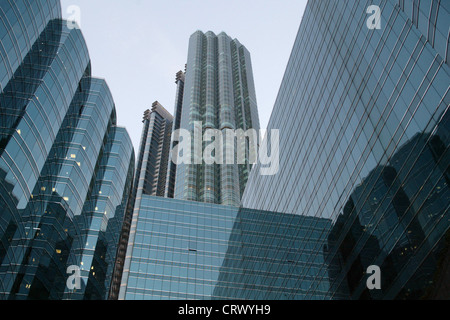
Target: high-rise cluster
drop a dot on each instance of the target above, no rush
(362, 114)
(216, 92)
(363, 181)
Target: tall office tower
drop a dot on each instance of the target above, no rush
(363, 114)
(219, 93)
(65, 166)
(172, 170)
(154, 150)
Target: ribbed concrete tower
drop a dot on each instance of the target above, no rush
(219, 93)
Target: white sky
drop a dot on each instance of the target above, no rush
(138, 46)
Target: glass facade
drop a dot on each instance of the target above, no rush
(21, 24)
(65, 167)
(364, 126)
(431, 18)
(175, 249)
(219, 93)
(274, 256)
(198, 251)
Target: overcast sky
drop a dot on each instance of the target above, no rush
(139, 45)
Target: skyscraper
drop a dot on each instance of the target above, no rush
(65, 166)
(154, 150)
(363, 114)
(219, 93)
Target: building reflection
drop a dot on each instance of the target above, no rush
(395, 219)
(274, 256)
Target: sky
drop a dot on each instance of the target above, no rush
(138, 46)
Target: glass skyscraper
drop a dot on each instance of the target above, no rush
(219, 93)
(364, 126)
(66, 168)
